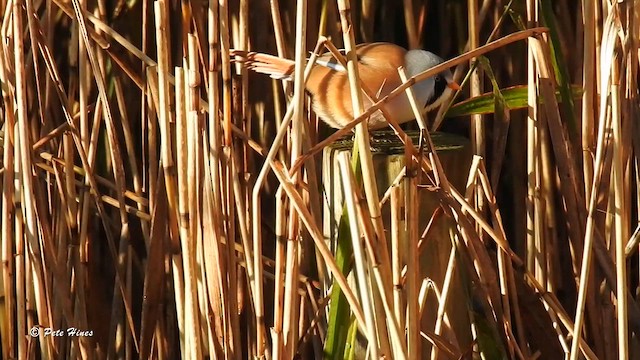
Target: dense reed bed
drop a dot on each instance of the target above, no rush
(161, 201)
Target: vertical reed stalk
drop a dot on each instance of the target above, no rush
(599, 169)
(533, 148)
(621, 224)
(349, 185)
(182, 282)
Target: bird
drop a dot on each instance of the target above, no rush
(378, 64)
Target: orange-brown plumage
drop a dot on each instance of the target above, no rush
(378, 66)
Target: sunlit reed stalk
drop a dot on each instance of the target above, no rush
(362, 132)
(444, 295)
(31, 243)
(620, 223)
(182, 282)
(8, 209)
(397, 255)
(192, 321)
(291, 298)
(533, 149)
(599, 168)
(314, 231)
(511, 304)
(589, 81)
(256, 208)
(478, 137)
(279, 272)
(411, 205)
(349, 184)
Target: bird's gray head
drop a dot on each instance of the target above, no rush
(430, 91)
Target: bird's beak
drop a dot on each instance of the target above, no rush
(453, 86)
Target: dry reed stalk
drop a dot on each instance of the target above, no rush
(410, 24)
(589, 95)
(20, 278)
(192, 321)
(256, 212)
(8, 210)
(349, 185)
(318, 239)
(397, 256)
(533, 202)
(495, 236)
(362, 132)
(435, 216)
(442, 344)
(211, 271)
(215, 159)
(314, 199)
(151, 109)
(478, 136)
(291, 298)
(604, 125)
(278, 29)
(411, 205)
(444, 296)
(241, 195)
(164, 114)
(110, 126)
(392, 186)
(379, 286)
(478, 188)
(280, 233)
(506, 272)
(130, 146)
(119, 176)
(459, 208)
(27, 191)
(181, 282)
(621, 224)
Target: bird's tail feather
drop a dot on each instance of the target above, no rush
(275, 67)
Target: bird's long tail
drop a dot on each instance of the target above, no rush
(275, 67)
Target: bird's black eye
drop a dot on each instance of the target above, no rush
(437, 78)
